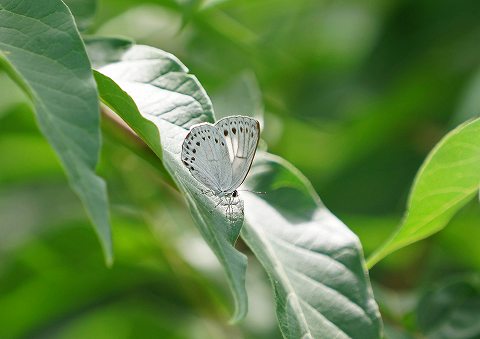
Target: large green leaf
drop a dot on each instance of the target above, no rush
(41, 49)
(451, 309)
(448, 179)
(321, 284)
(315, 263)
(173, 100)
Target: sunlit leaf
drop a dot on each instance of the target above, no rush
(173, 100)
(448, 179)
(315, 263)
(41, 50)
(321, 285)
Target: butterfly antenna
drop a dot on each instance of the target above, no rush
(256, 192)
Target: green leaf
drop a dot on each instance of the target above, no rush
(119, 101)
(451, 309)
(41, 50)
(173, 100)
(83, 11)
(448, 179)
(330, 281)
(315, 263)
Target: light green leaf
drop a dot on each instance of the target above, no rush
(173, 100)
(41, 50)
(315, 263)
(83, 11)
(451, 309)
(448, 179)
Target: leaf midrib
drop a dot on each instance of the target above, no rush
(284, 277)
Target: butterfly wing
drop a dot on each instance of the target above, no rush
(205, 154)
(241, 136)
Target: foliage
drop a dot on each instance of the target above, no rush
(32, 54)
(352, 95)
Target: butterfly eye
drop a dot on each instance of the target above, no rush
(234, 130)
(225, 132)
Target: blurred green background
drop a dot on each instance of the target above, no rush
(355, 94)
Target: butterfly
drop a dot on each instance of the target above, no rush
(220, 155)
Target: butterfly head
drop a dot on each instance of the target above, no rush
(233, 194)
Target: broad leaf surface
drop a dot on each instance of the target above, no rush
(321, 285)
(448, 179)
(173, 100)
(41, 50)
(315, 263)
(451, 310)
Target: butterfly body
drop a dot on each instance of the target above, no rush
(220, 155)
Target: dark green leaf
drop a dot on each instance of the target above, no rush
(42, 51)
(451, 309)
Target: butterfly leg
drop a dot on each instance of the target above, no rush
(216, 205)
(228, 211)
